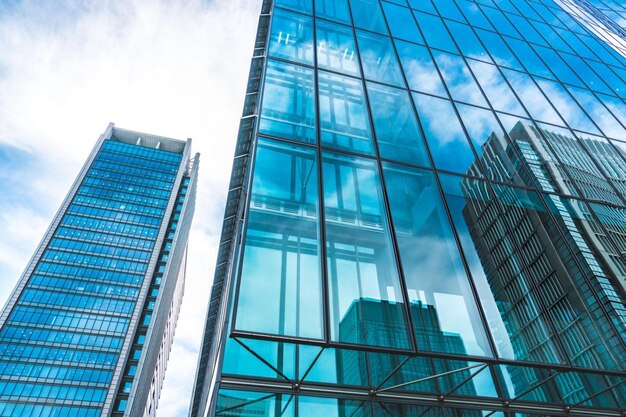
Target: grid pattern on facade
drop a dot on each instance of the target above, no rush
(436, 205)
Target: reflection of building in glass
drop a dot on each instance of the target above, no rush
(542, 288)
(89, 328)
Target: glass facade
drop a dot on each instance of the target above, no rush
(427, 215)
(91, 289)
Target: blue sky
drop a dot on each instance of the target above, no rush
(68, 68)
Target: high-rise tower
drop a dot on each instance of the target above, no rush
(88, 329)
(427, 214)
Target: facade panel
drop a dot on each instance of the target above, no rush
(426, 215)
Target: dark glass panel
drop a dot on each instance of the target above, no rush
(336, 10)
(529, 384)
(291, 37)
(232, 403)
(344, 120)
(336, 48)
(447, 142)
(397, 130)
(379, 59)
(288, 108)
(445, 315)
(281, 255)
(366, 301)
(420, 71)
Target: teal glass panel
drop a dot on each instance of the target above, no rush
(288, 108)
(459, 79)
(464, 378)
(281, 255)
(513, 315)
(395, 124)
(401, 373)
(332, 407)
(340, 366)
(344, 118)
(443, 307)
(435, 32)
(302, 6)
(401, 23)
(291, 37)
(420, 71)
(366, 302)
(336, 48)
(367, 14)
(445, 137)
(231, 403)
(336, 10)
(378, 59)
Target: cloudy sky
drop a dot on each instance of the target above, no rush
(68, 68)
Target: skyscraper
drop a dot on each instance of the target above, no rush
(426, 216)
(88, 329)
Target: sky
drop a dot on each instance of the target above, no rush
(171, 68)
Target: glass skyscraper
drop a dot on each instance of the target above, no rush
(88, 329)
(426, 215)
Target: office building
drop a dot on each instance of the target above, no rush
(88, 329)
(426, 216)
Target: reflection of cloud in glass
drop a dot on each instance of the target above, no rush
(459, 79)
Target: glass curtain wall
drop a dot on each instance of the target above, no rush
(437, 210)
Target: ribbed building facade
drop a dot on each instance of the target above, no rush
(426, 215)
(88, 329)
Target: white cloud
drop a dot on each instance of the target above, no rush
(175, 69)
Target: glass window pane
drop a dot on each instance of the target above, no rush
(292, 37)
(302, 6)
(379, 59)
(443, 307)
(468, 42)
(343, 113)
(366, 302)
(495, 87)
(281, 259)
(435, 32)
(336, 10)
(367, 14)
(516, 322)
(288, 108)
(420, 71)
(459, 79)
(336, 48)
(447, 142)
(395, 124)
(499, 50)
(401, 23)
(535, 102)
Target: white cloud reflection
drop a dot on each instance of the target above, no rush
(67, 68)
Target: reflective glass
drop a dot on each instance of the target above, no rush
(395, 124)
(303, 6)
(291, 37)
(401, 23)
(496, 88)
(366, 301)
(442, 304)
(336, 10)
(420, 71)
(288, 108)
(447, 141)
(434, 30)
(468, 43)
(344, 120)
(281, 255)
(459, 79)
(367, 14)
(336, 48)
(379, 59)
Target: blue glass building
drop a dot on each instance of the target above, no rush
(427, 214)
(88, 329)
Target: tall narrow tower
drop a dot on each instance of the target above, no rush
(88, 329)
